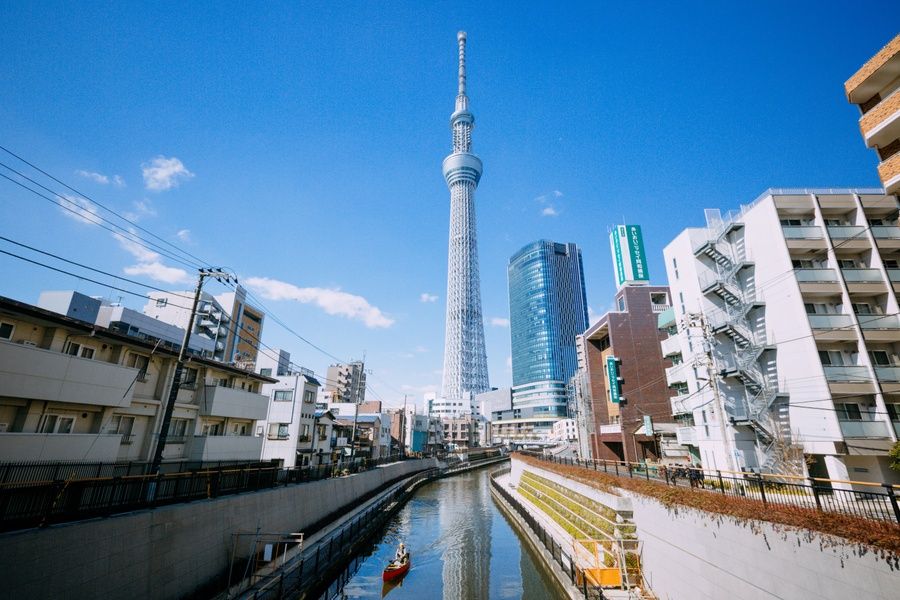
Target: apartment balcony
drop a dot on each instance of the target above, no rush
(227, 402)
(685, 404)
(210, 448)
(686, 436)
(804, 238)
(881, 125)
(611, 429)
(670, 346)
(677, 374)
(894, 277)
(880, 328)
(836, 327)
(889, 171)
(864, 281)
(849, 237)
(87, 447)
(849, 379)
(889, 378)
(887, 237)
(37, 374)
(864, 429)
(818, 282)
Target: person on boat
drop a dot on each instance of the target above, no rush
(401, 553)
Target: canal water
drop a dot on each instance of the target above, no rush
(462, 548)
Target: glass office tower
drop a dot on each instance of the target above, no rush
(547, 309)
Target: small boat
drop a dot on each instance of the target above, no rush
(396, 569)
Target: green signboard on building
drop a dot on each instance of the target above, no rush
(629, 257)
(615, 388)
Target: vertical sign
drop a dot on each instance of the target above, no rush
(648, 425)
(612, 369)
(629, 258)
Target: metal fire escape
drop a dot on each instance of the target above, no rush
(740, 357)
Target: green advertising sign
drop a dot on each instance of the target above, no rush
(636, 252)
(612, 369)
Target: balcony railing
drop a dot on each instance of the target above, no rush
(878, 321)
(659, 308)
(810, 232)
(847, 373)
(846, 232)
(861, 275)
(888, 232)
(836, 321)
(612, 428)
(816, 275)
(864, 429)
(891, 374)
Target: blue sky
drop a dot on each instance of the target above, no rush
(302, 143)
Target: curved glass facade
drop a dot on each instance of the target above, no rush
(547, 309)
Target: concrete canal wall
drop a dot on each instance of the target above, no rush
(175, 551)
(695, 555)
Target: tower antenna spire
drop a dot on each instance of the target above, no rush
(461, 38)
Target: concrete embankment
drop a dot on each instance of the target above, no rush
(176, 551)
(693, 554)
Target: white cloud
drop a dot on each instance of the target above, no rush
(163, 173)
(421, 349)
(142, 208)
(509, 362)
(332, 301)
(426, 297)
(593, 317)
(499, 322)
(184, 235)
(80, 209)
(100, 178)
(557, 194)
(158, 271)
(541, 199)
(549, 211)
(149, 262)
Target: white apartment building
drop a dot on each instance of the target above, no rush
(346, 382)
(72, 390)
(289, 430)
(565, 430)
(788, 338)
(212, 323)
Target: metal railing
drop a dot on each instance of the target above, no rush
(34, 471)
(40, 503)
(565, 561)
(868, 500)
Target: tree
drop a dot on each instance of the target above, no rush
(894, 453)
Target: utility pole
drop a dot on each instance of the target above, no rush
(362, 369)
(403, 429)
(701, 322)
(224, 277)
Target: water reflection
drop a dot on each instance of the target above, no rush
(461, 547)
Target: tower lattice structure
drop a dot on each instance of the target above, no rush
(465, 360)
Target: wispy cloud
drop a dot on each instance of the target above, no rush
(149, 263)
(426, 297)
(100, 178)
(80, 209)
(332, 301)
(419, 389)
(184, 235)
(593, 316)
(499, 322)
(557, 194)
(163, 173)
(549, 211)
(509, 363)
(140, 209)
(421, 349)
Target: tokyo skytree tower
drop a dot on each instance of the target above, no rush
(465, 362)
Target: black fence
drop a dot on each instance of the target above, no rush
(563, 559)
(860, 499)
(32, 504)
(35, 471)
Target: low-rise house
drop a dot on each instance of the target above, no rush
(72, 390)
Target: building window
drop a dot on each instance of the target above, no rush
(309, 396)
(880, 358)
(791, 222)
(284, 395)
(240, 429)
(620, 302)
(161, 302)
(862, 308)
(79, 350)
(178, 428)
(189, 378)
(212, 429)
(891, 263)
(893, 412)
(265, 372)
(848, 412)
(139, 362)
(659, 298)
(123, 425)
(278, 431)
(6, 331)
(675, 266)
(51, 423)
